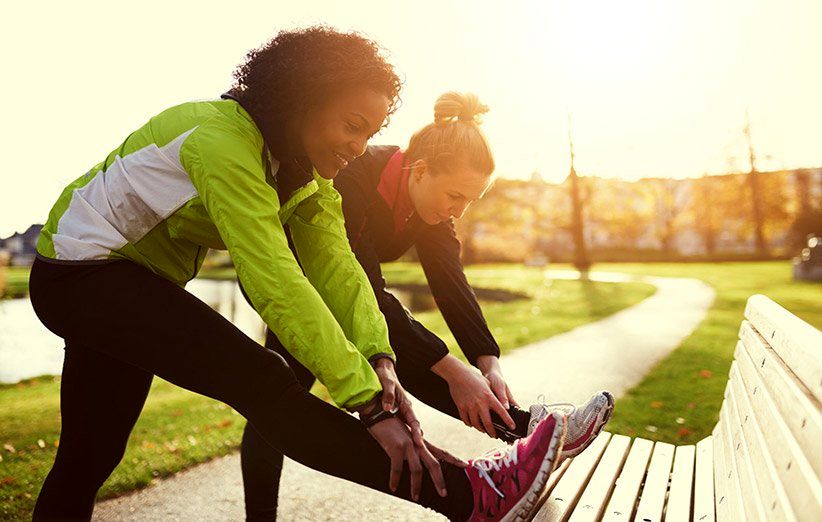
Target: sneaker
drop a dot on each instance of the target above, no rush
(507, 483)
(584, 422)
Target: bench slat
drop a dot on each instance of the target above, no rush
(794, 403)
(592, 503)
(736, 511)
(801, 483)
(747, 481)
(704, 481)
(682, 478)
(722, 499)
(797, 343)
(561, 500)
(623, 501)
(774, 500)
(652, 499)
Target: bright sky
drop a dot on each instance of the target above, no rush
(655, 87)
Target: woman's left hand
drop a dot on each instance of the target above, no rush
(489, 366)
(394, 396)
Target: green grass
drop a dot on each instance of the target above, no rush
(17, 281)
(178, 429)
(679, 400)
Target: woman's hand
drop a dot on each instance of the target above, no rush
(473, 395)
(395, 438)
(489, 366)
(394, 396)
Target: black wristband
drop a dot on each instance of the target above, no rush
(370, 420)
(379, 414)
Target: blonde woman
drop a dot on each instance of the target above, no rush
(396, 199)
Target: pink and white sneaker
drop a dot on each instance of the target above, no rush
(585, 422)
(507, 483)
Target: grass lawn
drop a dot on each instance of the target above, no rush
(16, 280)
(679, 400)
(178, 428)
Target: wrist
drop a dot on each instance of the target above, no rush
(447, 367)
(382, 362)
(487, 363)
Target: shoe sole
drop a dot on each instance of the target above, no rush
(609, 411)
(525, 509)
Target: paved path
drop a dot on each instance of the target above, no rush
(614, 354)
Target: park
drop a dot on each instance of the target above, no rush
(262, 286)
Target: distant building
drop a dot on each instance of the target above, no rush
(21, 248)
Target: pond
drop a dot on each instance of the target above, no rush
(28, 349)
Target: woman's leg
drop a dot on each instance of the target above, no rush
(100, 400)
(262, 463)
(134, 316)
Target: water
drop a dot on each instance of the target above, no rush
(28, 349)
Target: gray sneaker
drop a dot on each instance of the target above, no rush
(584, 422)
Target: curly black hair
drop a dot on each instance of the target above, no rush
(299, 69)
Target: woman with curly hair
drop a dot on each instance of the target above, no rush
(122, 240)
(393, 200)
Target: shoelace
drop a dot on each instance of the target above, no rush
(571, 409)
(491, 462)
(546, 406)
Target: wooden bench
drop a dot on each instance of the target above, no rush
(762, 462)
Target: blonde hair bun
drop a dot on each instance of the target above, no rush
(458, 106)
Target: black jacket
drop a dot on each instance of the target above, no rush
(369, 222)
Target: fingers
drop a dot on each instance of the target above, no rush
(473, 416)
(397, 462)
(502, 411)
(415, 468)
(410, 419)
(444, 456)
(485, 417)
(389, 388)
(500, 390)
(511, 396)
(433, 465)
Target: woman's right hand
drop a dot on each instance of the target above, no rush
(395, 438)
(472, 394)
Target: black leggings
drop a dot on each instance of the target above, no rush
(262, 464)
(122, 324)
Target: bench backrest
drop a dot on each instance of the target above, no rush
(767, 446)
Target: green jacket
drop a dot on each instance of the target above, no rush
(196, 177)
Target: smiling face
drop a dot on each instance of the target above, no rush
(338, 131)
(440, 197)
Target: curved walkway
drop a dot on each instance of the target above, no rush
(613, 353)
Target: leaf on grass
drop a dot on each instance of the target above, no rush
(656, 405)
(9, 448)
(691, 405)
(683, 432)
(224, 423)
(706, 374)
(176, 413)
(5, 481)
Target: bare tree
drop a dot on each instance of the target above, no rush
(756, 195)
(582, 261)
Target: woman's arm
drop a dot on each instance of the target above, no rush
(439, 252)
(417, 344)
(318, 233)
(226, 168)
